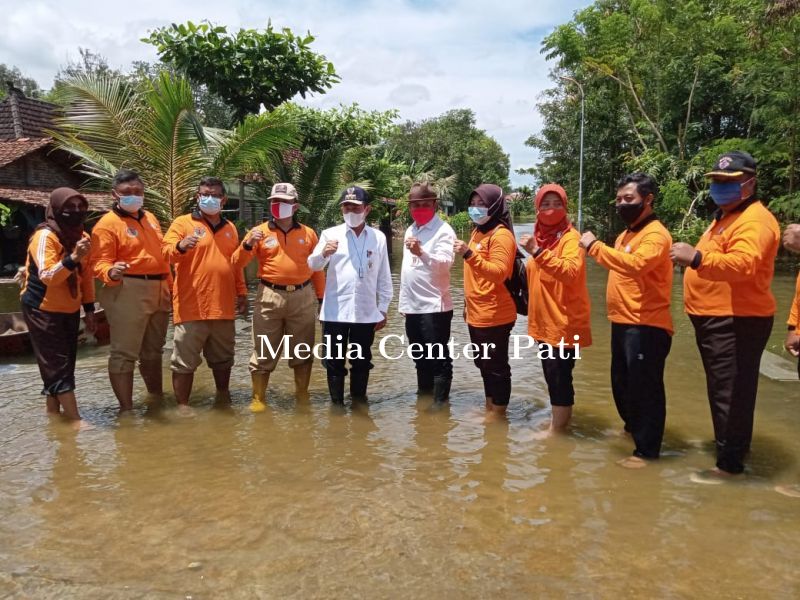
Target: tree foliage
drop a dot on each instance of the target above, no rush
(11, 74)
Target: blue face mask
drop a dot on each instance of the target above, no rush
(725, 193)
(478, 214)
(210, 205)
(131, 204)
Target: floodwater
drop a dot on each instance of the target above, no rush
(389, 500)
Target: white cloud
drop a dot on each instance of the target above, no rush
(423, 57)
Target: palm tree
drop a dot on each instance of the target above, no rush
(154, 130)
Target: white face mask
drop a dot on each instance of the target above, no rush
(353, 219)
(210, 205)
(131, 204)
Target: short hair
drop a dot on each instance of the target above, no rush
(209, 181)
(125, 176)
(645, 185)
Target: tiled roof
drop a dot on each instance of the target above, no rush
(23, 117)
(98, 201)
(15, 149)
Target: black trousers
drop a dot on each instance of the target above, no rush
(495, 369)
(358, 334)
(731, 349)
(558, 375)
(638, 354)
(431, 328)
(54, 337)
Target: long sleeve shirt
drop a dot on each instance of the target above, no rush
(794, 313)
(425, 279)
(358, 286)
(490, 263)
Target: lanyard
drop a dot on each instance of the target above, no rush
(360, 254)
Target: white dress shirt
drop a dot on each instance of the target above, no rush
(425, 279)
(358, 286)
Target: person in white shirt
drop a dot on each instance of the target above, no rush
(425, 298)
(358, 290)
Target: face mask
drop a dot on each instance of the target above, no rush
(630, 213)
(131, 204)
(478, 214)
(209, 205)
(725, 193)
(422, 216)
(282, 210)
(73, 219)
(353, 220)
(552, 216)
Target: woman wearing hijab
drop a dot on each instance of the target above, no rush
(561, 311)
(490, 310)
(57, 282)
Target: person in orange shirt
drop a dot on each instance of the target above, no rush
(136, 290)
(727, 295)
(208, 291)
(638, 302)
(56, 283)
(791, 241)
(288, 295)
(560, 309)
(490, 310)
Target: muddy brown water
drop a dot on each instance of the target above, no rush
(388, 500)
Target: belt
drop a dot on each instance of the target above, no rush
(157, 277)
(285, 288)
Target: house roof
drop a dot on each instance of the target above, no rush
(12, 150)
(98, 201)
(23, 117)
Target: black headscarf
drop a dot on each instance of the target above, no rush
(493, 198)
(67, 235)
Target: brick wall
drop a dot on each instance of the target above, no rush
(40, 171)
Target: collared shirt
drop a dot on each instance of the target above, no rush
(358, 287)
(425, 279)
(283, 256)
(491, 261)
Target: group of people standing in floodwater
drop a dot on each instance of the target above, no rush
(341, 277)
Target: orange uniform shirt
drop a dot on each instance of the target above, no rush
(640, 276)
(47, 269)
(559, 307)
(794, 313)
(206, 283)
(121, 237)
(283, 257)
(735, 273)
(487, 300)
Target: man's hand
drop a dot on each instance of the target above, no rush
(241, 305)
(587, 239)
(528, 242)
(330, 248)
(460, 247)
(82, 248)
(414, 246)
(254, 236)
(792, 343)
(381, 324)
(188, 243)
(791, 238)
(90, 323)
(116, 272)
(682, 254)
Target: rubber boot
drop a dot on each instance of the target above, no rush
(336, 388)
(425, 382)
(151, 372)
(358, 385)
(302, 379)
(260, 382)
(122, 384)
(441, 392)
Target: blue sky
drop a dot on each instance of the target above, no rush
(423, 57)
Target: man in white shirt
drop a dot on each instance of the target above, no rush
(425, 298)
(358, 290)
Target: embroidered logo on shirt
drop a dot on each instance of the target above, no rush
(628, 248)
(199, 232)
(270, 242)
(301, 241)
(132, 232)
(478, 246)
(227, 234)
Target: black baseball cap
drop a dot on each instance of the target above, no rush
(354, 195)
(733, 164)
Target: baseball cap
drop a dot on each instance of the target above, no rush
(733, 164)
(283, 191)
(354, 195)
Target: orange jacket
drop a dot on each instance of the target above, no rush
(283, 257)
(47, 270)
(206, 284)
(794, 313)
(738, 260)
(640, 276)
(121, 237)
(559, 307)
(487, 300)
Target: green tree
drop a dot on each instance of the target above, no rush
(13, 75)
(248, 68)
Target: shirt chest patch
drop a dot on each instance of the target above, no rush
(153, 225)
(301, 241)
(270, 242)
(132, 232)
(478, 246)
(200, 232)
(227, 234)
(628, 248)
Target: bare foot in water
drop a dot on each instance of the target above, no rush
(184, 410)
(632, 462)
(81, 425)
(792, 491)
(713, 476)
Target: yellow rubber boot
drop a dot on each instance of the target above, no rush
(260, 381)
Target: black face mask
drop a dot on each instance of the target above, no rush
(73, 219)
(630, 213)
